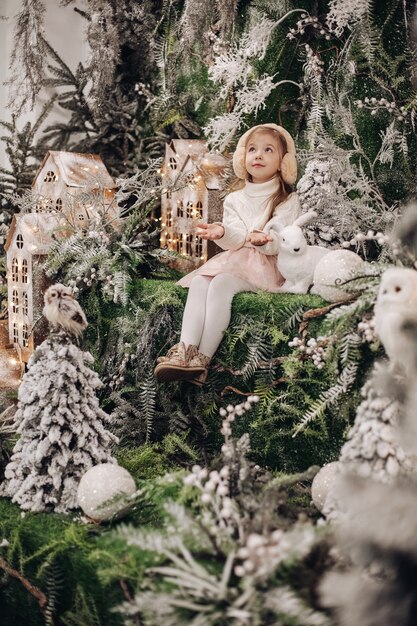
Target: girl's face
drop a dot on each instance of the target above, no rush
(263, 157)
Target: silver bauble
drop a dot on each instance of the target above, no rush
(333, 269)
(323, 482)
(104, 490)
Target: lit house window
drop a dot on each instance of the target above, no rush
(58, 204)
(178, 242)
(19, 241)
(15, 301)
(15, 333)
(15, 270)
(180, 211)
(172, 163)
(50, 177)
(199, 208)
(198, 247)
(169, 217)
(24, 271)
(189, 209)
(25, 336)
(25, 303)
(188, 238)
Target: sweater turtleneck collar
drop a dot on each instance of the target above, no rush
(261, 190)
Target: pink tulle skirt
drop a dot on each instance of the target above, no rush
(260, 270)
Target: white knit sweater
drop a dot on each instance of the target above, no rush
(247, 210)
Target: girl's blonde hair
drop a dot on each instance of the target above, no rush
(284, 188)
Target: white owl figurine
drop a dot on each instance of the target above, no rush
(63, 311)
(396, 303)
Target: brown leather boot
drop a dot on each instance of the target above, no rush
(205, 361)
(179, 364)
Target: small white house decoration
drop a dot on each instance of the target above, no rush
(71, 191)
(201, 200)
(78, 185)
(27, 245)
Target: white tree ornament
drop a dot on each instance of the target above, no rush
(331, 271)
(323, 483)
(104, 491)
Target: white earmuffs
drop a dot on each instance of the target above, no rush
(288, 163)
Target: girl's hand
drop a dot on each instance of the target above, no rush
(258, 239)
(209, 231)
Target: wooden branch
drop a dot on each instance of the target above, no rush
(33, 590)
(279, 381)
(234, 390)
(125, 590)
(128, 596)
(313, 313)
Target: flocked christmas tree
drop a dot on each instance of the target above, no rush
(373, 448)
(61, 425)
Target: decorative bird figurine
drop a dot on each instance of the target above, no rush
(396, 306)
(63, 311)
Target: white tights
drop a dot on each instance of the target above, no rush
(208, 310)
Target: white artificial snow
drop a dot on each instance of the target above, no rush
(343, 13)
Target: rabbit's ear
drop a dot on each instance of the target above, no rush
(305, 218)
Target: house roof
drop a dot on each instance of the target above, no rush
(189, 147)
(78, 170)
(193, 153)
(36, 229)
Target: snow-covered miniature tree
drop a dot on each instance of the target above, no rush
(61, 426)
(372, 449)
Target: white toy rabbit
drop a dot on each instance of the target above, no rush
(302, 265)
(296, 259)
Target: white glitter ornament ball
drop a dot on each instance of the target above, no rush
(323, 482)
(103, 491)
(332, 269)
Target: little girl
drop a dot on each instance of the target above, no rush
(265, 160)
